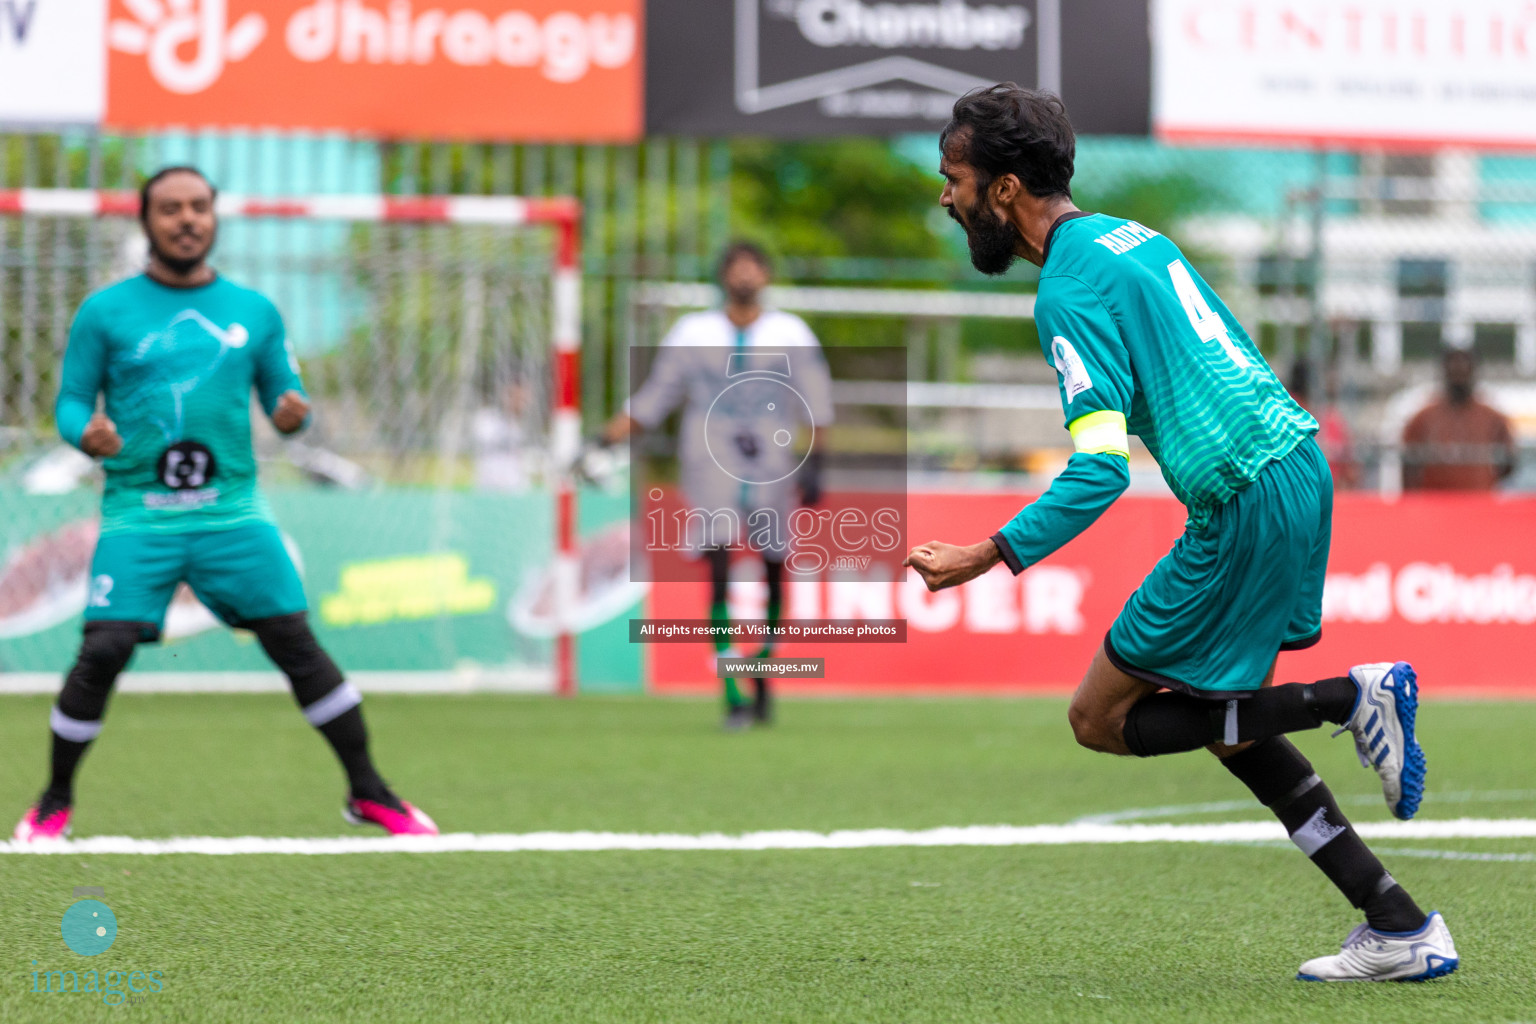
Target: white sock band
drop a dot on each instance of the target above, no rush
(1316, 833)
(72, 729)
(338, 702)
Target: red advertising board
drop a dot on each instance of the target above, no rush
(1445, 582)
(535, 70)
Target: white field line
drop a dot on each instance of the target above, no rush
(1466, 796)
(466, 681)
(1395, 852)
(972, 835)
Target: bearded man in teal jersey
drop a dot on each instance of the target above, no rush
(1142, 345)
(175, 353)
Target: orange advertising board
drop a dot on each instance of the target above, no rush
(528, 70)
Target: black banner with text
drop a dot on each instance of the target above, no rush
(792, 68)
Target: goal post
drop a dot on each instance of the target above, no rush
(424, 326)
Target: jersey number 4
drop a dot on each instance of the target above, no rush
(1207, 324)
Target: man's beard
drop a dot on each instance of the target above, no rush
(742, 295)
(991, 240)
(181, 265)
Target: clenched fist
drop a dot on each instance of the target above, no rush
(291, 411)
(947, 565)
(100, 438)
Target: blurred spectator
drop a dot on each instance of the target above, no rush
(1457, 443)
(1333, 435)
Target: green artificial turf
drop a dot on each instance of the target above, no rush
(1150, 932)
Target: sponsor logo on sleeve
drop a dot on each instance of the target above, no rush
(1074, 375)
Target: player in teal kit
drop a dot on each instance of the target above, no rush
(175, 352)
(1142, 345)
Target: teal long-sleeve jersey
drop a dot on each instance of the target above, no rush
(177, 366)
(1142, 345)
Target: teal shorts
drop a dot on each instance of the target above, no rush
(1216, 610)
(241, 574)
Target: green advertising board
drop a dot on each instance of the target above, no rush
(399, 580)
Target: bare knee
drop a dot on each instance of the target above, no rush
(1098, 710)
(1096, 730)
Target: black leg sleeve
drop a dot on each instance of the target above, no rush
(317, 683)
(1169, 723)
(76, 719)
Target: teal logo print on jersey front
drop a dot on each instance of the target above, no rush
(186, 353)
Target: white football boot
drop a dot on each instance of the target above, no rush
(1382, 724)
(1369, 955)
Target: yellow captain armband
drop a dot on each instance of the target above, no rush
(1101, 433)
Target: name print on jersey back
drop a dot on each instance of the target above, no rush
(1125, 237)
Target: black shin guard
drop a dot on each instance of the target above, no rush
(1283, 780)
(329, 702)
(76, 719)
(1170, 723)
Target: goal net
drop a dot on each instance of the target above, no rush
(429, 506)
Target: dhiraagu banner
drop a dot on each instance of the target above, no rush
(407, 589)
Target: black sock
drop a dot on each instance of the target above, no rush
(1170, 723)
(348, 736)
(1283, 780)
(719, 562)
(1334, 698)
(61, 782)
(773, 575)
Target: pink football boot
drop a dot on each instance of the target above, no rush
(408, 821)
(32, 829)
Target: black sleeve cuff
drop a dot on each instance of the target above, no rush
(1010, 559)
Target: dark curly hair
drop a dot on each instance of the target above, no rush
(1005, 129)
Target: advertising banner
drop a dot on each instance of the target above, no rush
(1387, 72)
(432, 588)
(52, 61)
(847, 67)
(1445, 582)
(530, 70)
